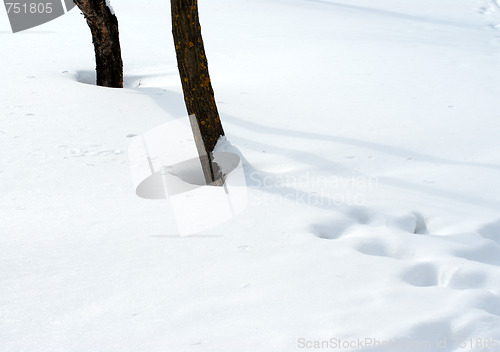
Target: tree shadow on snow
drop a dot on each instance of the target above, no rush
(397, 15)
(322, 164)
(173, 103)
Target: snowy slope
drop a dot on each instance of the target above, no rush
(369, 135)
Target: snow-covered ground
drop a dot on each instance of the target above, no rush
(369, 134)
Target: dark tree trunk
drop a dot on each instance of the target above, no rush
(193, 69)
(104, 28)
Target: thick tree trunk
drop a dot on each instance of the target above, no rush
(104, 28)
(193, 69)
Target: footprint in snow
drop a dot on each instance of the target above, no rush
(421, 275)
(486, 10)
(491, 231)
(484, 251)
(332, 228)
(341, 222)
(374, 246)
(88, 150)
(412, 223)
(361, 215)
(426, 274)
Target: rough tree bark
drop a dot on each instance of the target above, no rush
(104, 28)
(193, 70)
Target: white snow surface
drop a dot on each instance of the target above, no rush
(369, 135)
(108, 4)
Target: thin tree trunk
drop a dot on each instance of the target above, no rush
(104, 28)
(193, 70)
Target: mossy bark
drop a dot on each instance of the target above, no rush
(105, 36)
(193, 70)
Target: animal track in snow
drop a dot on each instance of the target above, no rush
(332, 228)
(484, 300)
(88, 150)
(383, 242)
(453, 261)
(412, 223)
(486, 10)
(489, 9)
(342, 222)
(486, 251)
(374, 247)
(360, 214)
(491, 231)
(426, 274)
(464, 278)
(421, 275)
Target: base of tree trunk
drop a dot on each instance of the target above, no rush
(104, 28)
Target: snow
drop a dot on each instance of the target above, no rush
(108, 4)
(368, 134)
